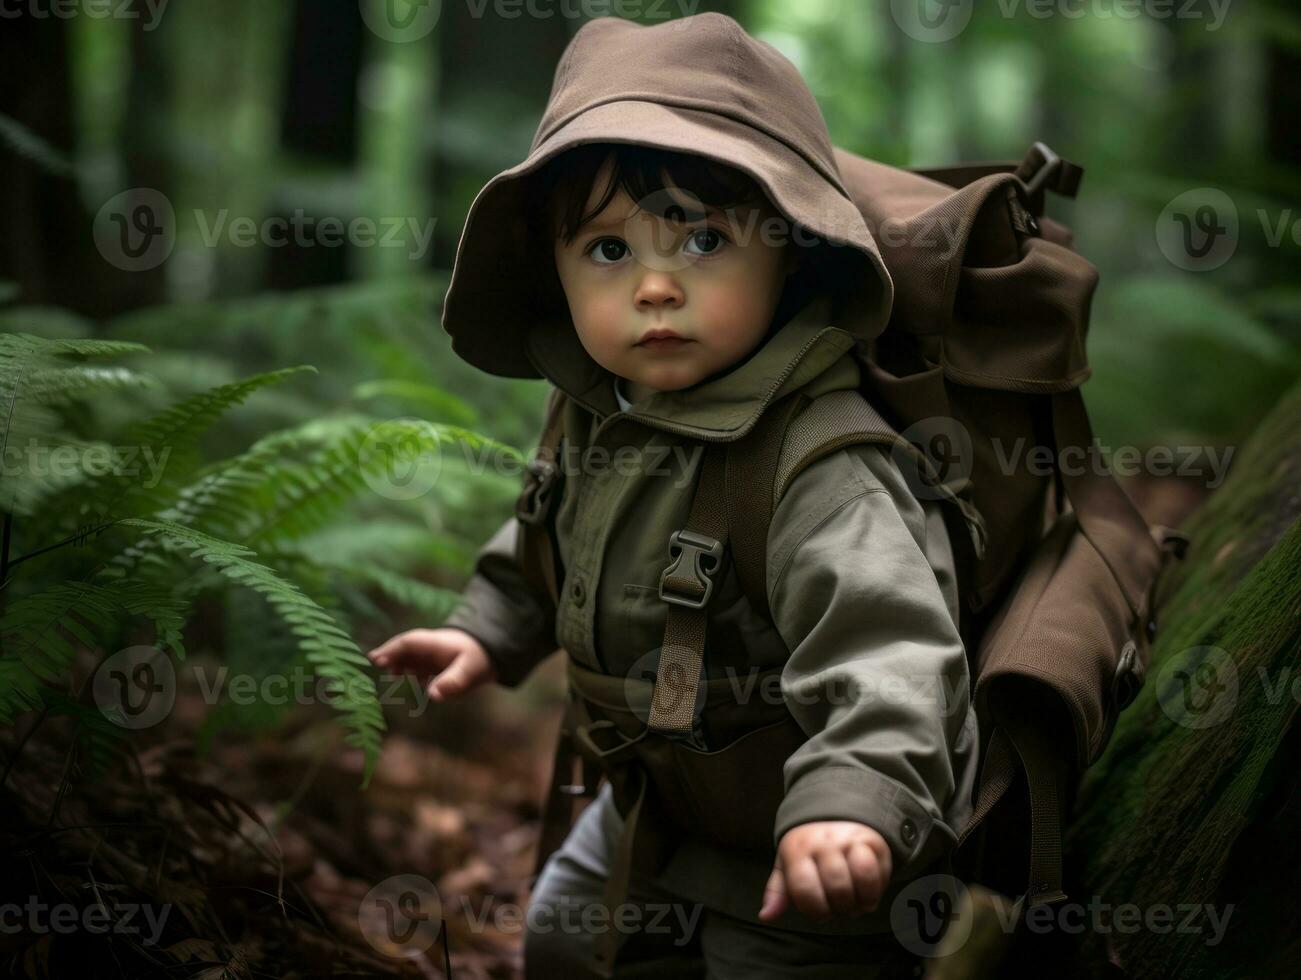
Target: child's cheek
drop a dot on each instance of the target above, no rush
(732, 316)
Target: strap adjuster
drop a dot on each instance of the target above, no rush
(535, 500)
(692, 584)
(1048, 168)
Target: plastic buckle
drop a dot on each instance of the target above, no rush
(1128, 678)
(691, 547)
(1052, 163)
(535, 501)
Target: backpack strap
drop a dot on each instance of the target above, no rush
(537, 553)
(808, 430)
(1041, 170)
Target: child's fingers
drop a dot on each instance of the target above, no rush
(453, 681)
(775, 899)
(804, 884)
(384, 654)
(401, 651)
(868, 875)
(837, 880)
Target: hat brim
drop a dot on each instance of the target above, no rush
(490, 301)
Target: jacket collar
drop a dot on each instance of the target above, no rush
(722, 408)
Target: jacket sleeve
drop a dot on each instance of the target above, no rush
(515, 624)
(862, 590)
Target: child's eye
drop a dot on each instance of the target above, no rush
(607, 251)
(707, 241)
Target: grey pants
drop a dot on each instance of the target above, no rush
(669, 937)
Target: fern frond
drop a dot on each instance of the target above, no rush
(184, 422)
(61, 385)
(36, 632)
(100, 742)
(174, 431)
(24, 353)
(433, 399)
(265, 496)
(326, 646)
(429, 600)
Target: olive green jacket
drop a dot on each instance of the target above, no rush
(860, 584)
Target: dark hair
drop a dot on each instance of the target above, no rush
(559, 191)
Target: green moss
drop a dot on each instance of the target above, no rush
(1159, 814)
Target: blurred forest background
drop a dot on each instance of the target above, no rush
(208, 114)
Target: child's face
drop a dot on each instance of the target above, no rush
(715, 282)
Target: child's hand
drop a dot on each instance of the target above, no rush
(454, 659)
(828, 867)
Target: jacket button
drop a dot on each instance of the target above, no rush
(908, 831)
(577, 592)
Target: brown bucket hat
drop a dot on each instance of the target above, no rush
(698, 84)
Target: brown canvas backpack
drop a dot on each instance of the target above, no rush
(1056, 567)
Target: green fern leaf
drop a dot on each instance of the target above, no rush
(327, 647)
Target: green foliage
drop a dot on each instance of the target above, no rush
(1216, 368)
(104, 550)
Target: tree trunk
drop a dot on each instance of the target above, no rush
(318, 129)
(1194, 800)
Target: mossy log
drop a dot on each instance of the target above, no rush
(1192, 814)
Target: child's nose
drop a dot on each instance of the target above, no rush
(656, 290)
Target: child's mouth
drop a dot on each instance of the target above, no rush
(663, 343)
